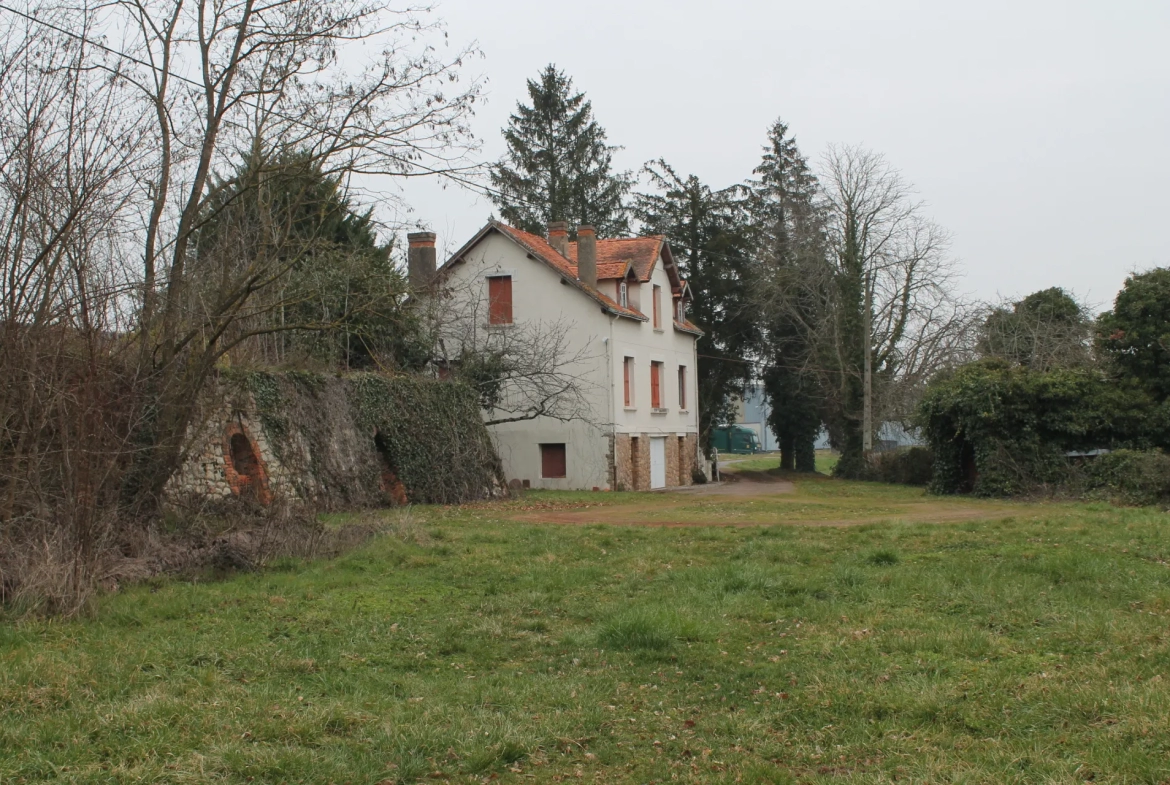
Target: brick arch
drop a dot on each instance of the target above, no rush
(246, 473)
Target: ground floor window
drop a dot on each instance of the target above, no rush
(552, 461)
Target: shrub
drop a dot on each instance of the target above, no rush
(1130, 476)
(1000, 430)
(908, 466)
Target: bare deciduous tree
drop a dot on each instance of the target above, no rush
(522, 371)
(121, 127)
(878, 309)
(894, 282)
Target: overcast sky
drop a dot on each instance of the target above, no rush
(1037, 131)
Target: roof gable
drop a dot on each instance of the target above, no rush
(539, 249)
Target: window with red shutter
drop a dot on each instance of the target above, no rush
(500, 299)
(552, 461)
(682, 387)
(628, 380)
(656, 385)
(657, 306)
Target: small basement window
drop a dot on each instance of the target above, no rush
(552, 461)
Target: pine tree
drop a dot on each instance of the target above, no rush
(789, 244)
(710, 236)
(558, 166)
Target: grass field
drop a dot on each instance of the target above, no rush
(1017, 643)
(826, 460)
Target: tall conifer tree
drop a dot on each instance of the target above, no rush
(710, 235)
(558, 166)
(789, 238)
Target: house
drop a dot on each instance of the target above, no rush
(616, 311)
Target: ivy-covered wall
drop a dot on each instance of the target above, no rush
(338, 442)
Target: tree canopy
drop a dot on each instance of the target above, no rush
(340, 301)
(1046, 329)
(558, 166)
(1135, 336)
(789, 248)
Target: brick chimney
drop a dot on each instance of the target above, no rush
(421, 260)
(587, 255)
(558, 237)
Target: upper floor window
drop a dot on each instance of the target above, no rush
(682, 387)
(628, 381)
(623, 295)
(655, 385)
(682, 311)
(657, 306)
(500, 299)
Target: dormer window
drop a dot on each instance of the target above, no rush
(682, 311)
(623, 295)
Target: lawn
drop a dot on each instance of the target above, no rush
(826, 460)
(1024, 643)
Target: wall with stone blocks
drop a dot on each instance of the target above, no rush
(315, 450)
(631, 460)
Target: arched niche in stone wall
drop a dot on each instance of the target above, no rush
(392, 488)
(246, 474)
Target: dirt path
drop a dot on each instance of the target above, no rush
(746, 486)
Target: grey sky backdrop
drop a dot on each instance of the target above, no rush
(1037, 131)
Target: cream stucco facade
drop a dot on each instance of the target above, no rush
(611, 445)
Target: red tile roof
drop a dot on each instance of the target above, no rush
(540, 248)
(613, 256)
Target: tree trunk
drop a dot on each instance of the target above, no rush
(787, 452)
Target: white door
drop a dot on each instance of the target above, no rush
(657, 461)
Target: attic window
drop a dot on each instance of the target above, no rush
(682, 311)
(500, 299)
(623, 295)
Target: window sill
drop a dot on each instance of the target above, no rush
(501, 326)
(631, 408)
(684, 411)
(659, 410)
(659, 330)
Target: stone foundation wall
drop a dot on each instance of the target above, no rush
(314, 450)
(209, 473)
(631, 461)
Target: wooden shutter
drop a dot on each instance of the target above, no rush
(657, 306)
(682, 387)
(500, 299)
(552, 461)
(655, 386)
(626, 377)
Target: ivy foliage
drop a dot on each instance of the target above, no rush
(1130, 476)
(336, 435)
(1134, 337)
(999, 429)
(435, 434)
